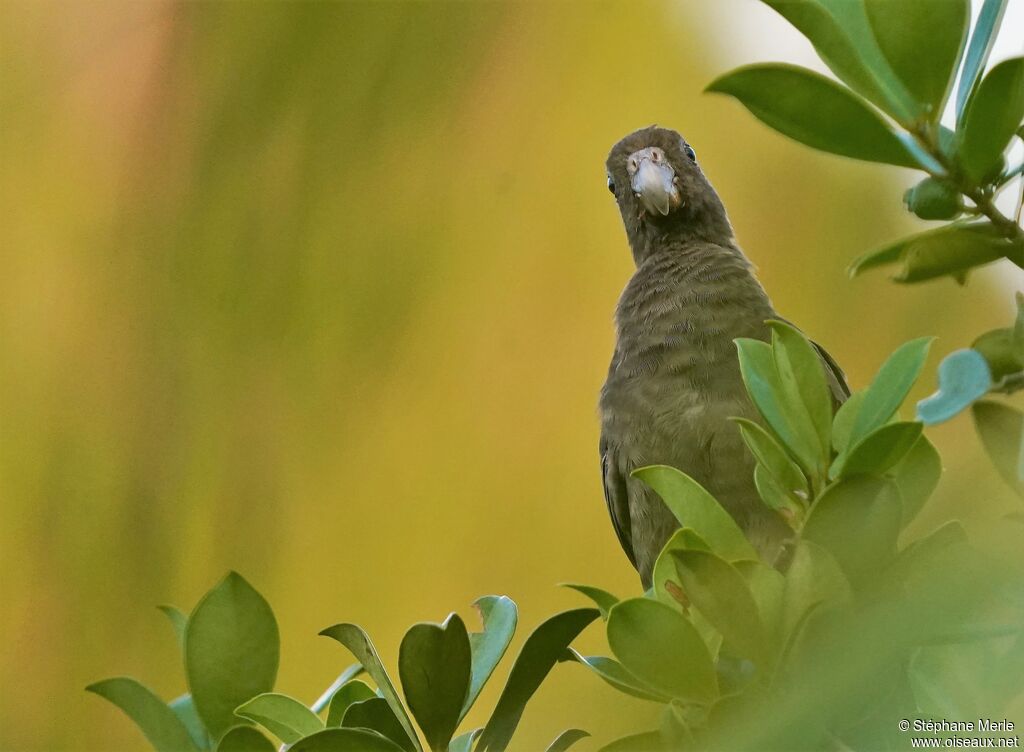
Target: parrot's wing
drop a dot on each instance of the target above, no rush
(617, 499)
(835, 376)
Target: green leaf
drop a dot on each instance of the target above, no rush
(917, 475)
(993, 114)
(185, 709)
(359, 644)
(649, 741)
(283, 716)
(842, 36)
(842, 423)
(464, 742)
(542, 649)
(771, 491)
(328, 694)
(231, 651)
(949, 249)
(802, 377)
(890, 387)
(680, 666)
(615, 674)
(921, 555)
(696, 509)
(179, 622)
(953, 249)
(601, 598)
(815, 111)
(434, 665)
(1000, 428)
(376, 715)
(985, 31)
(1001, 350)
(1018, 325)
(244, 739)
(721, 594)
(345, 740)
(663, 580)
(773, 457)
(963, 378)
(764, 385)
(349, 693)
(877, 452)
(566, 739)
(857, 520)
(499, 616)
(813, 578)
(156, 720)
(923, 41)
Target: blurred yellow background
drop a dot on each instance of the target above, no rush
(323, 293)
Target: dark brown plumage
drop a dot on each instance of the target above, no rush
(674, 378)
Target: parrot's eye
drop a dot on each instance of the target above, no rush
(611, 185)
(691, 154)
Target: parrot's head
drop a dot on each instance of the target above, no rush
(661, 190)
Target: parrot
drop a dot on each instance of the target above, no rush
(674, 379)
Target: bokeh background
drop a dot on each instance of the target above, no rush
(323, 293)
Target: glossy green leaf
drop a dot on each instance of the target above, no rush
(464, 742)
(953, 249)
(542, 649)
(1000, 428)
(615, 674)
(842, 423)
(698, 510)
(764, 385)
(767, 587)
(345, 740)
(877, 452)
(813, 578)
(359, 644)
(664, 581)
(802, 376)
(889, 388)
(842, 36)
(283, 716)
(178, 620)
(601, 598)
(155, 719)
(773, 457)
(328, 694)
(946, 250)
(245, 739)
(920, 556)
(964, 377)
(923, 41)
(992, 116)
(1001, 350)
(566, 739)
(815, 111)
(185, 709)
(434, 664)
(771, 491)
(917, 475)
(499, 616)
(857, 520)
(982, 38)
(231, 651)
(721, 594)
(375, 714)
(681, 666)
(649, 741)
(350, 692)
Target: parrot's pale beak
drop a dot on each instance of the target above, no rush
(653, 182)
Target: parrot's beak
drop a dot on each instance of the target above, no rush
(654, 184)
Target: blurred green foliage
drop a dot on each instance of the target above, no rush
(285, 287)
